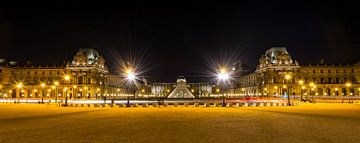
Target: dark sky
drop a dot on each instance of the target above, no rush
(177, 37)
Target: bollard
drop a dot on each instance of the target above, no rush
(253, 104)
(112, 105)
(165, 105)
(196, 104)
(135, 105)
(267, 104)
(176, 104)
(145, 105)
(228, 105)
(186, 104)
(155, 105)
(207, 105)
(245, 104)
(122, 105)
(261, 104)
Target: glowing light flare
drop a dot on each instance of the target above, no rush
(19, 85)
(67, 77)
(223, 75)
(348, 84)
(287, 77)
(301, 82)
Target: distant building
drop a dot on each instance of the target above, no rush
(89, 78)
(269, 79)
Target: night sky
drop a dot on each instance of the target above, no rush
(177, 37)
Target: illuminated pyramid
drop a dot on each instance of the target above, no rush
(181, 89)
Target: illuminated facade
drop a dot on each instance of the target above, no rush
(180, 89)
(279, 74)
(88, 78)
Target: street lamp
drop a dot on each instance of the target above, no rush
(74, 92)
(56, 83)
(19, 86)
(223, 76)
(348, 85)
(67, 78)
(301, 82)
(288, 77)
(42, 95)
(130, 76)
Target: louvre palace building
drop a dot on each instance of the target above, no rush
(88, 77)
(279, 74)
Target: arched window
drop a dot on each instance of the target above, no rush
(343, 91)
(80, 80)
(320, 91)
(328, 91)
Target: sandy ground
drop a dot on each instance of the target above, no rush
(306, 123)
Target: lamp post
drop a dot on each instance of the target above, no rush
(56, 83)
(348, 85)
(288, 77)
(67, 78)
(130, 75)
(19, 87)
(301, 82)
(74, 92)
(223, 76)
(42, 95)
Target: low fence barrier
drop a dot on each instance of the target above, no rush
(142, 105)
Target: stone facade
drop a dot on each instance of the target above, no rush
(89, 79)
(305, 80)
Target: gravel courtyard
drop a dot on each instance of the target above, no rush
(305, 123)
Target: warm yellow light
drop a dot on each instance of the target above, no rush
(97, 89)
(168, 90)
(142, 90)
(303, 87)
(74, 86)
(222, 70)
(85, 88)
(312, 89)
(284, 86)
(67, 77)
(192, 90)
(118, 90)
(288, 76)
(10, 91)
(348, 84)
(336, 89)
(276, 87)
(242, 89)
(311, 84)
(53, 87)
(42, 84)
(65, 88)
(217, 90)
(80, 89)
(359, 88)
(56, 83)
(265, 88)
(35, 90)
(301, 82)
(19, 85)
(49, 90)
